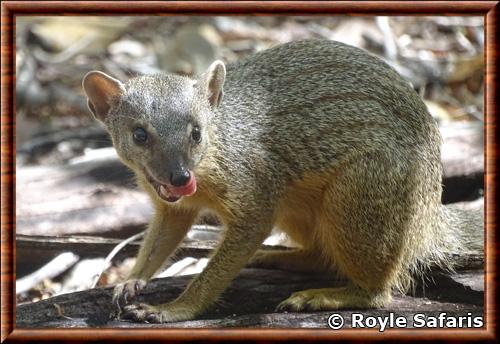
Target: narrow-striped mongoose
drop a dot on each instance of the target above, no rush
(318, 138)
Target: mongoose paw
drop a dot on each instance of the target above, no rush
(333, 299)
(126, 291)
(300, 301)
(142, 312)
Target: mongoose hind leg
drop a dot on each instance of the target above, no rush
(364, 228)
(293, 260)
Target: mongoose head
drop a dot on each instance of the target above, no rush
(159, 124)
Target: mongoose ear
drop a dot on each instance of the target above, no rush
(101, 89)
(214, 81)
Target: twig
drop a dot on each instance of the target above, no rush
(66, 54)
(113, 253)
(60, 312)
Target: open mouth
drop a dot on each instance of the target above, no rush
(170, 193)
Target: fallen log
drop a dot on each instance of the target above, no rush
(31, 249)
(248, 302)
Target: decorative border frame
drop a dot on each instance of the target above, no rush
(11, 9)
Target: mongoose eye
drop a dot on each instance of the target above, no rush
(196, 135)
(140, 135)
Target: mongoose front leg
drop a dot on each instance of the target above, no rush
(239, 244)
(165, 232)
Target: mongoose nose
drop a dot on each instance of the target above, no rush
(180, 178)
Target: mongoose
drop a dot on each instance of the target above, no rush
(318, 138)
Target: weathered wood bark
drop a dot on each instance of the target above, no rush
(250, 302)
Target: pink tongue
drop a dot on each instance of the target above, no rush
(177, 191)
(186, 190)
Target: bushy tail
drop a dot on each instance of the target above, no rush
(465, 236)
(453, 241)
(456, 241)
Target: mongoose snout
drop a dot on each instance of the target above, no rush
(182, 183)
(180, 178)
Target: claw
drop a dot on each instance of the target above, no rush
(153, 318)
(291, 304)
(116, 299)
(126, 291)
(282, 307)
(124, 296)
(117, 304)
